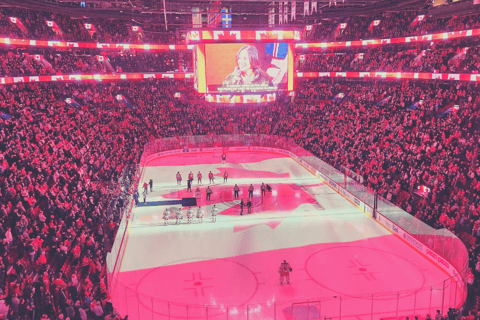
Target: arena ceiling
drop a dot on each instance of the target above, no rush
(245, 13)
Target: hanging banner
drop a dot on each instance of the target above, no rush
(271, 14)
(226, 18)
(314, 7)
(280, 12)
(196, 18)
(306, 9)
(285, 12)
(294, 11)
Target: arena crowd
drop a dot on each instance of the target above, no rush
(61, 163)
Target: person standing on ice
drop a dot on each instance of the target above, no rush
(250, 191)
(198, 193)
(284, 271)
(151, 185)
(199, 177)
(224, 157)
(210, 176)
(241, 207)
(249, 206)
(166, 216)
(225, 176)
(189, 215)
(179, 216)
(235, 191)
(214, 213)
(209, 193)
(190, 176)
(145, 187)
(200, 214)
(263, 188)
(179, 178)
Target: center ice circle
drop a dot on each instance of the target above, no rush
(351, 270)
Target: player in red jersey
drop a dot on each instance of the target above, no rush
(210, 176)
(179, 178)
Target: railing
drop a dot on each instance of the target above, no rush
(441, 246)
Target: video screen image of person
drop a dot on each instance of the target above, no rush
(248, 71)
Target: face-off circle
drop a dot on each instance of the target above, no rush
(198, 283)
(351, 270)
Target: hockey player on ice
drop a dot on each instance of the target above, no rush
(224, 157)
(190, 176)
(210, 176)
(284, 271)
(200, 215)
(199, 177)
(179, 178)
(166, 216)
(179, 216)
(189, 214)
(214, 213)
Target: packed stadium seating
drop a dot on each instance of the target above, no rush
(60, 162)
(449, 56)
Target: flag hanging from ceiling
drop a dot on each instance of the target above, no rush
(294, 11)
(226, 18)
(285, 12)
(314, 7)
(280, 12)
(306, 9)
(196, 18)
(271, 14)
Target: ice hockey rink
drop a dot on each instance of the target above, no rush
(345, 265)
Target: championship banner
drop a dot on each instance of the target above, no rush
(285, 12)
(306, 9)
(314, 6)
(280, 12)
(294, 11)
(271, 14)
(196, 18)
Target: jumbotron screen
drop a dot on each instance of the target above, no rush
(242, 68)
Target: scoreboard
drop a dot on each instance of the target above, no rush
(243, 66)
